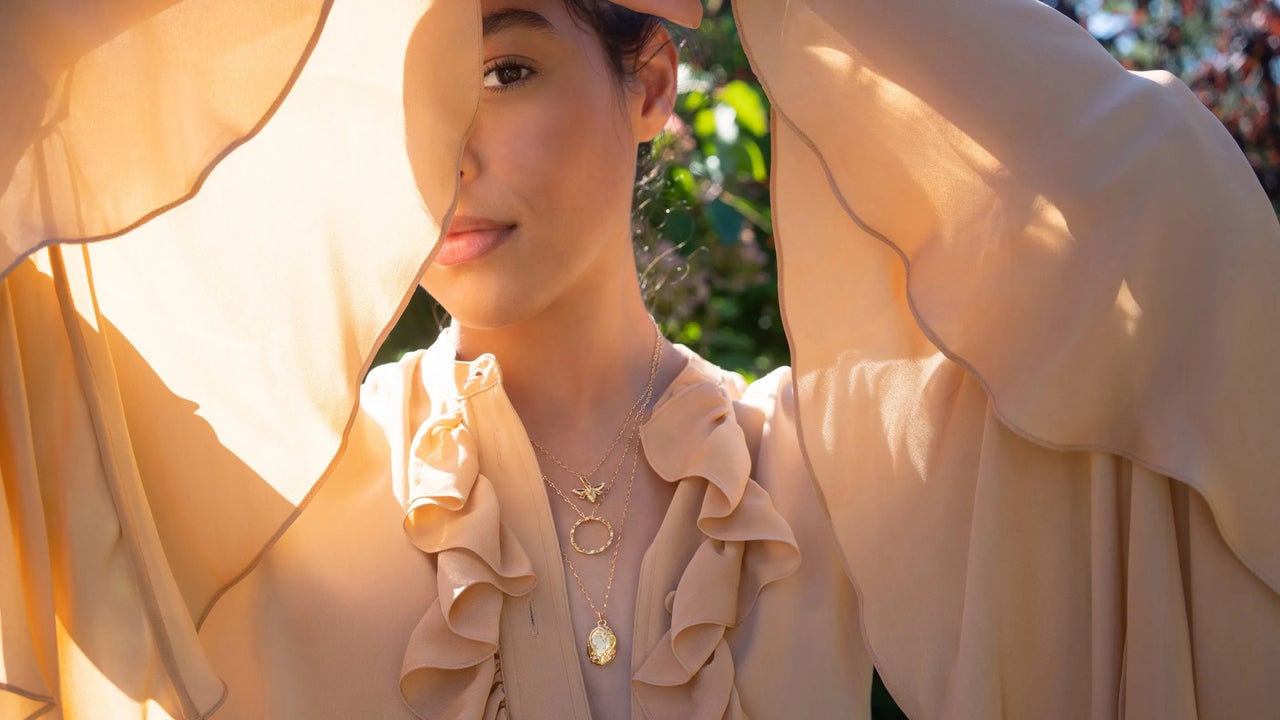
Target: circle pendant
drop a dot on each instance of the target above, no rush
(574, 541)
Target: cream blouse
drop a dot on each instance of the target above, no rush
(743, 610)
(1024, 460)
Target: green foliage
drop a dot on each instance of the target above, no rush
(707, 260)
(1226, 51)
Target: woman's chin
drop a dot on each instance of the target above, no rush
(482, 310)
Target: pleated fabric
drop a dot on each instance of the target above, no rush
(1030, 297)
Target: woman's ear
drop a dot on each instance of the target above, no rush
(656, 78)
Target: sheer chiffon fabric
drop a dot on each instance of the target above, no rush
(1030, 298)
(1049, 385)
(173, 395)
(471, 617)
(117, 110)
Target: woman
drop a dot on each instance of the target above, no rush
(490, 603)
(1056, 511)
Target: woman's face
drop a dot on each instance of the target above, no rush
(547, 173)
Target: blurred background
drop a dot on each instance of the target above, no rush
(704, 233)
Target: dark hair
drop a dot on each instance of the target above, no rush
(623, 34)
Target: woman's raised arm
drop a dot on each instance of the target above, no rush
(1031, 301)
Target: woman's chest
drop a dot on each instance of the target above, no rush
(465, 606)
(601, 585)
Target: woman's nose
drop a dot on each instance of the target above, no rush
(469, 163)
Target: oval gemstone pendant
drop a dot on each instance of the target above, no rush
(602, 644)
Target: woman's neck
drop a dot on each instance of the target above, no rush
(573, 370)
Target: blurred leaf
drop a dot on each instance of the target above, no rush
(726, 309)
(704, 123)
(726, 221)
(761, 217)
(748, 101)
(691, 101)
(759, 172)
(682, 180)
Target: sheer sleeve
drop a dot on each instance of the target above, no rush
(1031, 299)
(117, 110)
(172, 393)
(1029, 296)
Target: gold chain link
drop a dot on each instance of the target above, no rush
(635, 420)
(613, 561)
(589, 492)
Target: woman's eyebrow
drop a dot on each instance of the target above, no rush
(510, 18)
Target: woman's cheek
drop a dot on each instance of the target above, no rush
(534, 149)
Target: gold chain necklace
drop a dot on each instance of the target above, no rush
(602, 642)
(592, 493)
(633, 440)
(595, 493)
(594, 517)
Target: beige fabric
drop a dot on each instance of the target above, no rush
(115, 109)
(1048, 286)
(348, 613)
(1028, 295)
(180, 389)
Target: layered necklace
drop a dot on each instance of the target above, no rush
(602, 643)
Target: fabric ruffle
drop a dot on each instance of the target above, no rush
(450, 665)
(117, 110)
(993, 274)
(199, 370)
(1074, 291)
(747, 545)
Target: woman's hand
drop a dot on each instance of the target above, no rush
(681, 12)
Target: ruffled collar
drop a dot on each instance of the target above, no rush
(451, 668)
(693, 436)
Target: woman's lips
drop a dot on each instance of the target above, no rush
(469, 245)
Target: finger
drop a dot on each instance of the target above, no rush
(681, 12)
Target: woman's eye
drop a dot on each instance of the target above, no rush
(503, 76)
